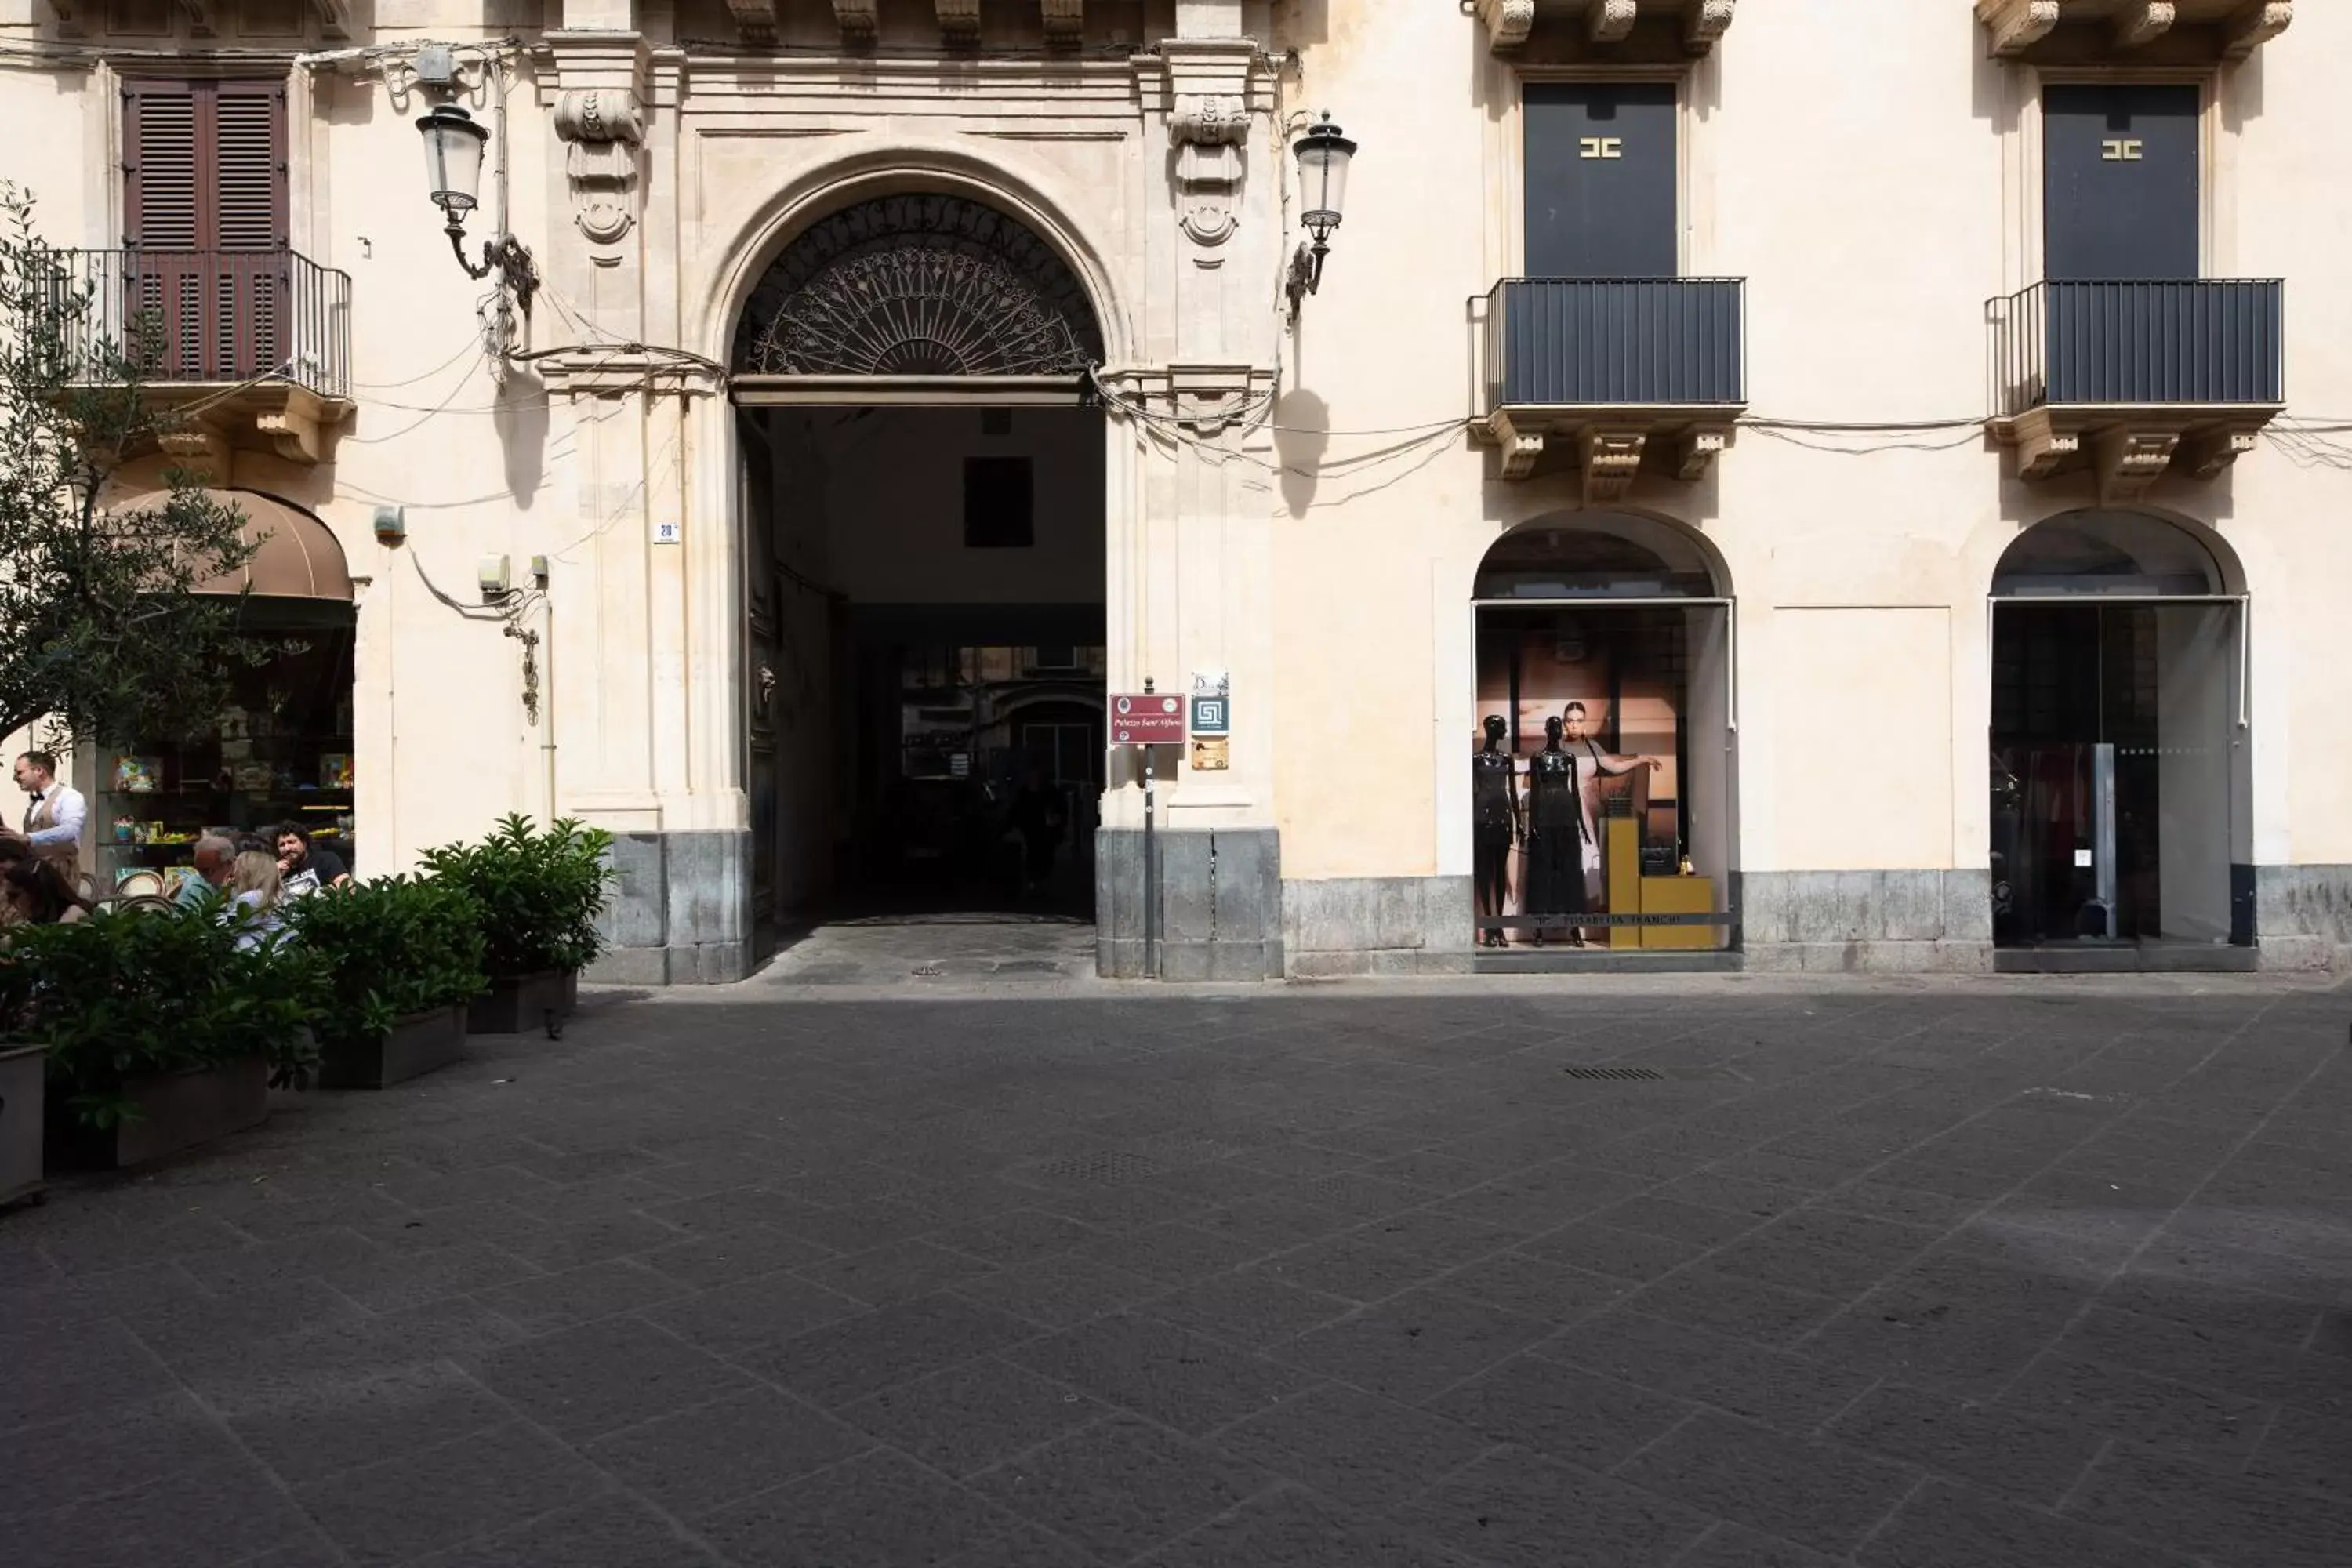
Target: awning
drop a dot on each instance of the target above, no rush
(296, 555)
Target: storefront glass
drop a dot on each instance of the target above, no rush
(282, 751)
(2117, 738)
(1601, 765)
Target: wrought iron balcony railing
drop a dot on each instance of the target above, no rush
(220, 316)
(1615, 342)
(2204, 342)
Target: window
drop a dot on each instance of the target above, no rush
(999, 503)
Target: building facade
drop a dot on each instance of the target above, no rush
(1899, 448)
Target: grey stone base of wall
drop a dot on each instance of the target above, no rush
(1220, 904)
(1344, 926)
(2303, 917)
(1867, 922)
(681, 914)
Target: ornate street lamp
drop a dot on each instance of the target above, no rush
(1323, 157)
(453, 172)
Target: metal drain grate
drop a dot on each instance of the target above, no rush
(1645, 1075)
(1110, 1166)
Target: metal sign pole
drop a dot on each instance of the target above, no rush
(1150, 870)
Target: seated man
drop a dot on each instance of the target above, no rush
(214, 855)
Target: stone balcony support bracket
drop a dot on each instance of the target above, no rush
(283, 417)
(1606, 22)
(2130, 449)
(596, 87)
(1610, 445)
(2018, 28)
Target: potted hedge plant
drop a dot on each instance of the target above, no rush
(539, 892)
(162, 1030)
(403, 956)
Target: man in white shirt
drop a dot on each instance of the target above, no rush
(53, 821)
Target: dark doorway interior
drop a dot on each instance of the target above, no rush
(925, 638)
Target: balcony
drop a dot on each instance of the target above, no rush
(1628, 31)
(2155, 33)
(1611, 369)
(2137, 379)
(261, 339)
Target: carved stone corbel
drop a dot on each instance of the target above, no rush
(1209, 131)
(2043, 450)
(200, 19)
(334, 18)
(2143, 22)
(1508, 22)
(71, 23)
(1708, 20)
(1521, 449)
(2255, 26)
(2129, 462)
(1609, 458)
(198, 449)
(2017, 25)
(1065, 22)
(1611, 21)
(959, 20)
(2208, 454)
(295, 432)
(1696, 452)
(601, 129)
(755, 19)
(857, 20)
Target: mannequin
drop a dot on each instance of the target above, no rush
(1591, 766)
(1555, 835)
(1494, 825)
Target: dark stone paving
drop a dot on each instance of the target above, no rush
(1984, 1276)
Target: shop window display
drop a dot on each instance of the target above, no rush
(1599, 767)
(280, 752)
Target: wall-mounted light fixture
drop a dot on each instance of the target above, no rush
(1323, 157)
(453, 171)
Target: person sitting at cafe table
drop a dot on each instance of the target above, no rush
(38, 894)
(215, 855)
(305, 867)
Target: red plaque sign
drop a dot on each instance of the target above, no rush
(1147, 718)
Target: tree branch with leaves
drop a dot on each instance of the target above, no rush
(104, 636)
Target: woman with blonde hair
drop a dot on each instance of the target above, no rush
(255, 892)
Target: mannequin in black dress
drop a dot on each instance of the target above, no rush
(1555, 835)
(1494, 825)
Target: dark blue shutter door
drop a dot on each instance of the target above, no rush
(2120, 178)
(1601, 180)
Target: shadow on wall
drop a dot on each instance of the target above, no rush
(520, 418)
(1302, 420)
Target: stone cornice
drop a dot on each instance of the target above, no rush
(2085, 31)
(1606, 22)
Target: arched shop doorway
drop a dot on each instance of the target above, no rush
(282, 749)
(2120, 830)
(1603, 820)
(923, 540)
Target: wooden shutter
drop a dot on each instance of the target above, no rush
(205, 164)
(205, 211)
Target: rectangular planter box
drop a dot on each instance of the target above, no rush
(177, 1112)
(518, 1004)
(21, 1073)
(417, 1045)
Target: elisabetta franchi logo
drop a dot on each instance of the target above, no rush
(2120, 149)
(1600, 147)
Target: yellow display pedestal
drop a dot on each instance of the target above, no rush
(1678, 895)
(1621, 866)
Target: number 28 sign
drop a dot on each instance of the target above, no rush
(1147, 718)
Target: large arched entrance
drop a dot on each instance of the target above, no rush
(2118, 800)
(923, 546)
(1602, 824)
